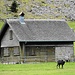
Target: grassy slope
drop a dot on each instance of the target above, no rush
(37, 69)
(26, 6)
(72, 24)
(1, 24)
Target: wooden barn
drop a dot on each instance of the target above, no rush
(36, 40)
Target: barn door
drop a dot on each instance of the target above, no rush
(51, 54)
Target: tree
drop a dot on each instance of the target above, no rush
(14, 6)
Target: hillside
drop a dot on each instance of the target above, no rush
(48, 9)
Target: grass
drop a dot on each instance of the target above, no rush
(71, 24)
(37, 69)
(1, 24)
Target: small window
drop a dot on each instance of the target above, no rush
(11, 35)
(6, 52)
(16, 51)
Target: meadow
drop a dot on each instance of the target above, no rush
(37, 69)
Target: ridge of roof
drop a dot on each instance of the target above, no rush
(36, 20)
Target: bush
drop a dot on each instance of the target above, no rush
(14, 7)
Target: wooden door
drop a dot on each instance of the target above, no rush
(11, 52)
(51, 54)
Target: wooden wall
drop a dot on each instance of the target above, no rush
(38, 53)
(41, 53)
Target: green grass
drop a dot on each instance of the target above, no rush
(1, 24)
(37, 69)
(71, 24)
